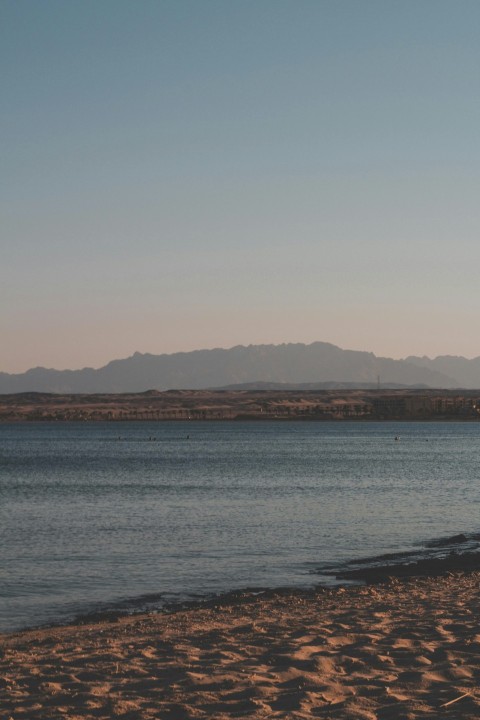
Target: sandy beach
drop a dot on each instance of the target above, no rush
(403, 649)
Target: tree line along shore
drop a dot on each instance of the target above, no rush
(316, 405)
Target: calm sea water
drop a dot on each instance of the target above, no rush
(97, 516)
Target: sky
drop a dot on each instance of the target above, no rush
(186, 174)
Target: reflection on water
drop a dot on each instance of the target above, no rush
(98, 514)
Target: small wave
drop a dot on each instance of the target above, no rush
(435, 557)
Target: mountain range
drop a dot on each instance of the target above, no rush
(278, 365)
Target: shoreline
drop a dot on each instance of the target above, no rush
(246, 418)
(306, 404)
(400, 649)
(436, 558)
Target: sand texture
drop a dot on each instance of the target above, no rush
(405, 649)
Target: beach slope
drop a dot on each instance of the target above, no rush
(404, 649)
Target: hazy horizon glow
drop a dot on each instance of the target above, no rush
(181, 175)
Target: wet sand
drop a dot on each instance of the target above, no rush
(405, 649)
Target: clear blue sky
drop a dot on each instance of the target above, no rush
(181, 174)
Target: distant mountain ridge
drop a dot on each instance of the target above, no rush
(285, 364)
(466, 372)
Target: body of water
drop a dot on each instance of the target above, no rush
(133, 515)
